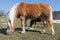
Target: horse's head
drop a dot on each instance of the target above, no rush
(8, 25)
(10, 18)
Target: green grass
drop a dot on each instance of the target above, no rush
(29, 35)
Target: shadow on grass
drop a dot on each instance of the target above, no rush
(3, 31)
(20, 29)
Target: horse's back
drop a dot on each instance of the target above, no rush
(29, 10)
(33, 10)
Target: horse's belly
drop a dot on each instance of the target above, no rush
(32, 16)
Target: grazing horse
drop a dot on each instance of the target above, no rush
(26, 11)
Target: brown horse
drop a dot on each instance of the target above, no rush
(26, 11)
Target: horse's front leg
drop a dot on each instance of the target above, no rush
(44, 26)
(23, 24)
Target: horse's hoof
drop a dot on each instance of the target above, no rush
(22, 31)
(43, 31)
(53, 33)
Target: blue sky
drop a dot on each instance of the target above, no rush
(7, 4)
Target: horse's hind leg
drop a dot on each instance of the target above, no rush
(50, 25)
(52, 29)
(23, 24)
(32, 23)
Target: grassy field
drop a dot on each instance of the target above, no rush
(29, 35)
